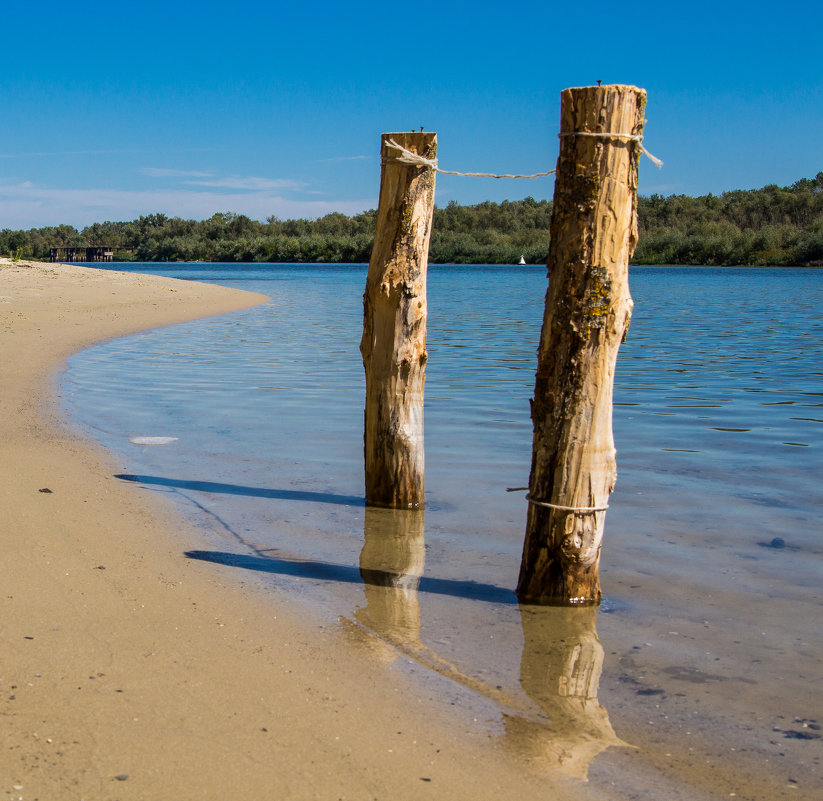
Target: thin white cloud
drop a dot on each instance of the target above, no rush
(162, 172)
(250, 182)
(659, 189)
(247, 183)
(343, 158)
(27, 205)
(62, 153)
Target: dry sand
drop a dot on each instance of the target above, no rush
(130, 672)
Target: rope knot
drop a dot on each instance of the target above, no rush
(407, 157)
(637, 139)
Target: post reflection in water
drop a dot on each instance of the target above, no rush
(560, 724)
(391, 564)
(560, 671)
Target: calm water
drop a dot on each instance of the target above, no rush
(709, 639)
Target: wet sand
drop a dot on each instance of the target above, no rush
(128, 671)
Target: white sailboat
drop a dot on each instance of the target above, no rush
(522, 260)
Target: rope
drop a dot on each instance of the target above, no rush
(579, 510)
(630, 137)
(492, 175)
(407, 157)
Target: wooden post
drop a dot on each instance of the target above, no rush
(394, 327)
(588, 308)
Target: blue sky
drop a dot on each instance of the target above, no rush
(111, 110)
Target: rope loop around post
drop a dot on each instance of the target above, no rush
(407, 157)
(578, 510)
(636, 138)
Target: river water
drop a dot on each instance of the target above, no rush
(700, 675)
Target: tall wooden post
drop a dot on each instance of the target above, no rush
(394, 327)
(588, 308)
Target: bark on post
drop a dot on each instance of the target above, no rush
(588, 307)
(394, 327)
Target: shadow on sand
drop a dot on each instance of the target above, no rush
(329, 571)
(560, 723)
(239, 489)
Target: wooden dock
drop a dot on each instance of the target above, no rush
(95, 253)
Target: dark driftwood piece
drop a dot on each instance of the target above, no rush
(588, 307)
(394, 327)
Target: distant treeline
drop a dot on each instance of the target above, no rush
(496, 233)
(769, 226)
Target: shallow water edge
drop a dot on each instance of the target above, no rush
(707, 649)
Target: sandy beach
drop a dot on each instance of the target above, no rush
(130, 672)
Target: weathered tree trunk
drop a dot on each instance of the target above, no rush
(588, 307)
(394, 327)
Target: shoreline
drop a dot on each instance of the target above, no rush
(90, 265)
(131, 672)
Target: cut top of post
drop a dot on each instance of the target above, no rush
(599, 125)
(404, 209)
(421, 143)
